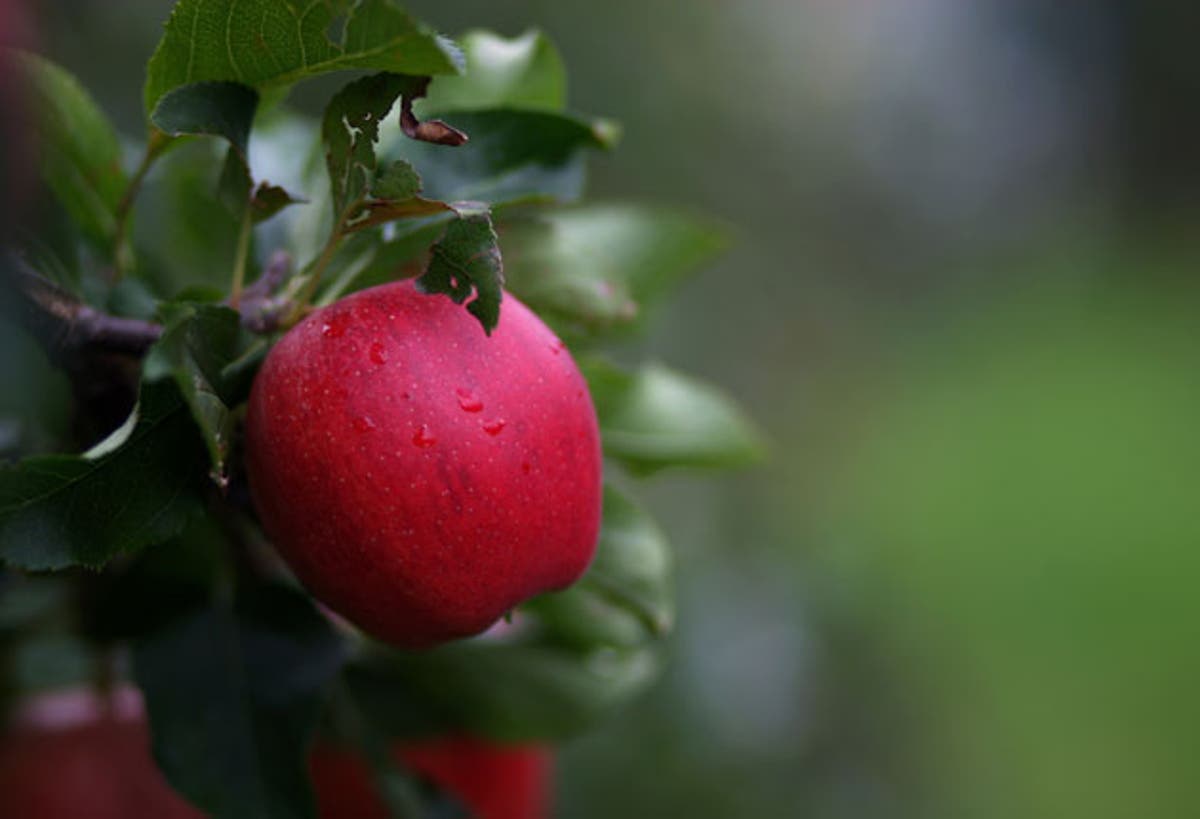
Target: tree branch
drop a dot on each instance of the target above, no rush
(65, 326)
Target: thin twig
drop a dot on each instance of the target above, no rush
(156, 143)
(64, 325)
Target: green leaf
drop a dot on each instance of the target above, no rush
(80, 156)
(267, 200)
(58, 511)
(466, 259)
(507, 691)
(182, 240)
(224, 109)
(198, 342)
(513, 156)
(625, 598)
(522, 72)
(350, 129)
(596, 268)
(655, 418)
(399, 180)
(233, 698)
(275, 43)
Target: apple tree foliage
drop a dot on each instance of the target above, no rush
(154, 277)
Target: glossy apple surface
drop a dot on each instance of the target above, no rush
(420, 477)
(494, 781)
(74, 755)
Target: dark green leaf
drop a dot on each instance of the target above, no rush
(655, 418)
(625, 597)
(466, 259)
(80, 156)
(275, 43)
(233, 698)
(224, 109)
(593, 268)
(63, 510)
(267, 200)
(513, 156)
(198, 342)
(521, 72)
(508, 691)
(158, 585)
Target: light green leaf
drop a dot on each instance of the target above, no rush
(522, 72)
(625, 598)
(596, 268)
(513, 156)
(655, 418)
(508, 691)
(275, 43)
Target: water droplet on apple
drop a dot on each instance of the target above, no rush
(494, 426)
(525, 467)
(377, 354)
(468, 400)
(557, 346)
(362, 424)
(424, 438)
(334, 328)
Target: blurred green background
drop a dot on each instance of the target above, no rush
(962, 305)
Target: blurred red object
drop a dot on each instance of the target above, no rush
(16, 31)
(75, 754)
(494, 781)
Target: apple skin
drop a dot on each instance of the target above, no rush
(420, 477)
(76, 755)
(494, 781)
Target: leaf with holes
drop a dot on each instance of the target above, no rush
(467, 259)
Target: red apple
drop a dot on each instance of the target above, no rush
(420, 477)
(76, 754)
(494, 781)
